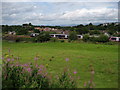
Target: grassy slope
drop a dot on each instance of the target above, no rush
(103, 57)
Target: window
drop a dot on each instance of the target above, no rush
(113, 38)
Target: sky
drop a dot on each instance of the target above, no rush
(59, 13)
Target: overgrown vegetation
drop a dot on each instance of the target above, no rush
(32, 75)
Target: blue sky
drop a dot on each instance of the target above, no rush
(59, 13)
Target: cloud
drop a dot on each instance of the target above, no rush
(58, 13)
(91, 13)
(60, 0)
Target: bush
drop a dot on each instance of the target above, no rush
(102, 38)
(72, 36)
(43, 37)
(86, 38)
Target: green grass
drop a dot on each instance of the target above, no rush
(104, 58)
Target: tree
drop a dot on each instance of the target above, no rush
(43, 37)
(102, 38)
(36, 31)
(22, 31)
(82, 30)
(86, 38)
(92, 32)
(72, 36)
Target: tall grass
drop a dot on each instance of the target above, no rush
(32, 75)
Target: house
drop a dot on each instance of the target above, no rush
(80, 36)
(60, 36)
(12, 32)
(117, 39)
(64, 36)
(34, 34)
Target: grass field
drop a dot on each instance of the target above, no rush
(104, 58)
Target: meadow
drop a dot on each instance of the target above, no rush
(104, 59)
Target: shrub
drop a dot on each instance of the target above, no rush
(43, 37)
(86, 38)
(72, 36)
(102, 38)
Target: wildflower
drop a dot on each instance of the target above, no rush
(40, 69)
(25, 64)
(36, 65)
(90, 86)
(93, 72)
(29, 69)
(2, 58)
(75, 72)
(79, 77)
(67, 59)
(17, 65)
(8, 59)
(85, 84)
(41, 66)
(12, 59)
(36, 58)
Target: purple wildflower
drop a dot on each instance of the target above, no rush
(8, 59)
(17, 65)
(75, 72)
(40, 69)
(91, 87)
(85, 84)
(12, 59)
(67, 59)
(25, 64)
(41, 66)
(2, 58)
(36, 58)
(29, 69)
(92, 72)
(36, 65)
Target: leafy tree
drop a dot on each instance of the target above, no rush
(22, 31)
(82, 30)
(36, 31)
(92, 32)
(102, 38)
(72, 36)
(43, 37)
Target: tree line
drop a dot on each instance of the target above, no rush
(91, 29)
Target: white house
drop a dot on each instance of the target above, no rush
(12, 32)
(115, 39)
(34, 34)
(64, 36)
